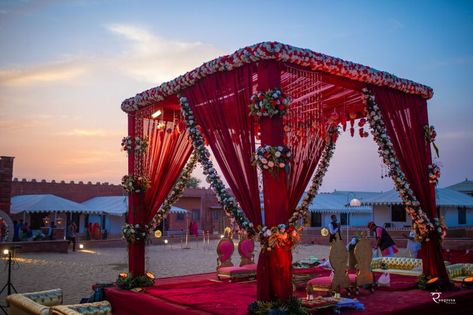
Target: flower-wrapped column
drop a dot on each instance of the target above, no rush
(136, 250)
(274, 266)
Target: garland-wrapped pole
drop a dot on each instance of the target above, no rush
(136, 250)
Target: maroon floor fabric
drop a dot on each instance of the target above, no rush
(398, 282)
(197, 295)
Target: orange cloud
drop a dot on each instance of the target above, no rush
(41, 74)
(91, 133)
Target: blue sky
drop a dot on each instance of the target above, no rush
(67, 65)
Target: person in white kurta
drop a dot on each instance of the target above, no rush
(412, 245)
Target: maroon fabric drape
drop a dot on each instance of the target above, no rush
(305, 157)
(405, 116)
(220, 105)
(168, 151)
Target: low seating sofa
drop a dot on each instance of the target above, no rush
(457, 272)
(96, 308)
(34, 303)
(397, 265)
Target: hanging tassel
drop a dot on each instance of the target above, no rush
(344, 122)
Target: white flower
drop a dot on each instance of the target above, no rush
(277, 154)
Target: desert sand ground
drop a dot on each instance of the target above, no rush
(75, 272)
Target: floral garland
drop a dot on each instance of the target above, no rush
(291, 306)
(282, 53)
(268, 104)
(141, 144)
(434, 174)
(440, 227)
(135, 232)
(126, 281)
(386, 151)
(271, 158)
(430, 135)
(279, 236)
(135, 184)
(302, 210)
(223, 196)
(175, 193)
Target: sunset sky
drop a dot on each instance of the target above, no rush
(66, 66)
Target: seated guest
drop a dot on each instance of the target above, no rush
(384, 241)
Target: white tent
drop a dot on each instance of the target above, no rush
(339, 202)
(445, 198)
(116, 205)
(44, 203)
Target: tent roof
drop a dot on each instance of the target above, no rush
(44, 203)
(113, 205)
(338, 202)
(445, 197)
(293, 56)
(116, 205)
(464, 186)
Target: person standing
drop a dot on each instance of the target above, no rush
(3, 230)
(334, 229)
(412, 245)
(383, 240)
(16, 231)
(72, 230)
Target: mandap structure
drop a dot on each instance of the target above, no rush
(273, 112)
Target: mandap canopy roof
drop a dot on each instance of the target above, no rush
(304, 73)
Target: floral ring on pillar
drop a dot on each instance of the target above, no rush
(272, 158)
(135, 184)
(268, 104)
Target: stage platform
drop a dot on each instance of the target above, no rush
(204, 294)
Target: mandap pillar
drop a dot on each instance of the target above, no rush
(136, 250)
(274, 281)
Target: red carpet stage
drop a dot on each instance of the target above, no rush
(202, 294)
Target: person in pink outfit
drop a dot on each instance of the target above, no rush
(383, 240)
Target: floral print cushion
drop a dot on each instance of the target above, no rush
(400, 263)
(96, 308)
(47, 298)
(457, 272)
